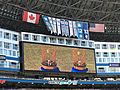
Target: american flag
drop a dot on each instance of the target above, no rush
(96, 27)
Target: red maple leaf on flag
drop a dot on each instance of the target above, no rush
(31, 17)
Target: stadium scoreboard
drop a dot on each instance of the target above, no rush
(57, 58)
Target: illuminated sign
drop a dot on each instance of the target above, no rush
(114, 64)
(2, 81)
(64, 82)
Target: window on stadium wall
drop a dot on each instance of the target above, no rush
(107, 57)
(9, 50)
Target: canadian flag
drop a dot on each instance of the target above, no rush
(31, 17)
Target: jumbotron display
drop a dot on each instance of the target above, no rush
(54, 58)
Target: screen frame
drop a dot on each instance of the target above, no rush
(22, 67)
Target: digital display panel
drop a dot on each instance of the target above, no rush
(114, 64)
(54, 58)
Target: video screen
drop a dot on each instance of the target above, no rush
(54, 58)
